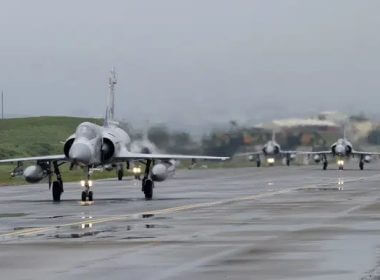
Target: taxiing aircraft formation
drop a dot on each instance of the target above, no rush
(340, 150)
(109, 147)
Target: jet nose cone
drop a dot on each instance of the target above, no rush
(80, 153)
(340, 149)
(269, 149)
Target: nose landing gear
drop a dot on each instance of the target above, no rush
(87, 195)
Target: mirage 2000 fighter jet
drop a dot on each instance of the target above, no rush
(340, 150)
(93, 146)
(270, 151)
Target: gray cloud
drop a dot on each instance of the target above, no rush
(190, 61)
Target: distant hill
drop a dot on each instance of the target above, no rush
(36, 135)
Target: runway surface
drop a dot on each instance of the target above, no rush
(246, 223)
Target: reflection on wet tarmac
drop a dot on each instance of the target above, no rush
(86, 203)
(340, 183)
(86, 225)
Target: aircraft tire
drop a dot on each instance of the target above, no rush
(84, 196)
(120, 175)
(90, 196)
(258, 163)
(148, 189)
(56, 191)
(361, 165)
(324, 166)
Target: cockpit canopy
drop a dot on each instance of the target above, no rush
(85, 131)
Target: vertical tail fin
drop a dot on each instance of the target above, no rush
(345, 127)
(110, 110)
(273, 135)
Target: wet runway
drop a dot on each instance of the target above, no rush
(246, 223)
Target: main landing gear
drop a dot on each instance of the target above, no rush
(87, 195)
(287, 159)
(57, 186)
(324, 162)
(120, 173)
(258, 161)
(361, 162)
(147, 182)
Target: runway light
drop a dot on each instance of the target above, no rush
(82, 183)
(270, 160)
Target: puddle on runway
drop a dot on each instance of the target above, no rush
(23, 228)
(138, 237)
(76, 235)
(53, 217)
(12, 215)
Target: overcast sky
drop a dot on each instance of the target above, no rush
(190, 61)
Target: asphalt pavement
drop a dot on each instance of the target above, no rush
(235, 223)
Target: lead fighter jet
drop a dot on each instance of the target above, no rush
(94, 146)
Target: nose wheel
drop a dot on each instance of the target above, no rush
(87, 195)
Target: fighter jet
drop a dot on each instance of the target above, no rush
(270, 151)
(342, 149)
(93, 146)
